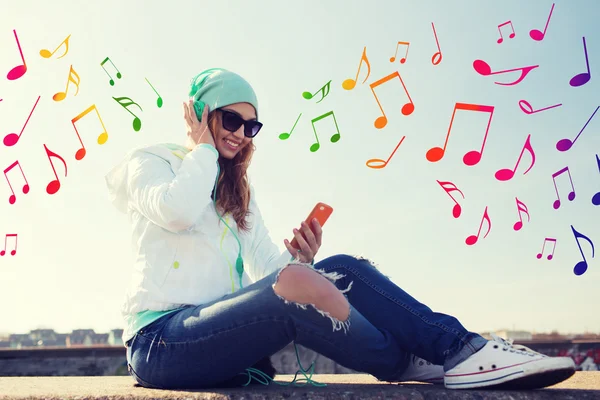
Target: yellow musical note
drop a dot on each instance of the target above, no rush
(46, 53)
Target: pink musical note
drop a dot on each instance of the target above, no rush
(571, 195)
(13, 252)
(507, 174)
(471, 240)
(19, 70)
(403, 59)
(565, 144)
(584, 77)
(349, 84)
(449, 187)
(539, 256)
(12, 198)
(407, 108)
(512, 35)
(439, 52)
(378, 163)
(596, 197)
(528, 109)
(581, 266)
(536, 34)
(521, 207)
(12, 138)
(484, 69)
(54, 185)
(472, 157)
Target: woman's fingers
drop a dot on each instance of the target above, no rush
(317, 231)
(310, 237)
(304, 247)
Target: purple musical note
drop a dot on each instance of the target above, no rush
(584, 77)
(581, 266)
(596, 198)
(565, 144)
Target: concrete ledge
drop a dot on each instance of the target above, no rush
(582, 386)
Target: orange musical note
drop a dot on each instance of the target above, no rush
(349, 84)
(507, 174)
(159, 100)
(512, 35)
(286, 135)
(12, 138)
(582, 265)
(471, 240)
(544, 245)
(12, 198)
(111, 81)
(407, 109)
(54, 185)
(521, 207)
(439, 52)
(126, 102)
(571, 195)
(102, 138)
(336, 136)
(19, 70)
(403, 59)
(324, 92)
(449, 187)
(378, 163)
(46, 53)
(484, 69)
(13, 252)
(73, 77)
(472, 157)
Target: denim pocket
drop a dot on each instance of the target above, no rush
(139, 380)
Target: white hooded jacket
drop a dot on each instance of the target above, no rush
(184, 254)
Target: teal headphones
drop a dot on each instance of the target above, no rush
(197, 83)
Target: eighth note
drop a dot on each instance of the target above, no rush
(403, 59)
(73, 77)
(159, 100)
(12, 252)
(471, 240)
(407, 108)
(334, 138)
(539, 256)
(46, 53)
(111, 81)
(449, 187)
(126, 102)
(507, 174)
(350, 83)
(571, 195)
(581, 266)
(324, 92)
(13, 198)
(521, 207)
(377, 163)
(484, 69)
(102, 138)
(512, 35)
(54, 185)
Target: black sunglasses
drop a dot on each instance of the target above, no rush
(232, 122)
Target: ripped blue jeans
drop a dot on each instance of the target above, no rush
(201, 346)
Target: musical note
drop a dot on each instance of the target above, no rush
(13, 252)
(349, 84)
(12, 138)
(286, 135)
(407, 109)
(584, 77)
(111, 81)
(19, 70)
(73, 77)
(449, 187)
(471, 240)
(528, 109)
(484, 69)
(46, 53)
(378, 163)
(581, 266)
(507, 174)
(571, 195)
(512, 35)
(403, 59)
(102, 138)
(535, 34)
(472, 157)
(544, 245)
(54, 185)
(439, 52)
(336, 136)
(596, 197)
(324, 92)
(159, 100)
(126, 102)
(12, 198)
(565, 144)
(521, 207)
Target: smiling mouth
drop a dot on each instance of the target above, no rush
(231, 143)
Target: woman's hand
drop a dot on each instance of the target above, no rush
(309, 246)
(198, 131)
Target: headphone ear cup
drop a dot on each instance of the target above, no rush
(199, 107)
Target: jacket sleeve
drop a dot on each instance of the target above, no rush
(263, 255)
(174, 201)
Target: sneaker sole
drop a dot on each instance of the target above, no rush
(524, 376)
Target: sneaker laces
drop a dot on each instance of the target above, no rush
(514, 348)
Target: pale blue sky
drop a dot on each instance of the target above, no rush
(74, 257)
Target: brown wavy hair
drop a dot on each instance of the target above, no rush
(233, 187)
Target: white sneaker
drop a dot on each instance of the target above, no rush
(420, 370)
(502, 365)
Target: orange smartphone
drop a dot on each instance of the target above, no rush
(321, 212)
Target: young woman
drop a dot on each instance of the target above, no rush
(212, 295)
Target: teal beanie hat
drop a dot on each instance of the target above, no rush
(218, 87)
